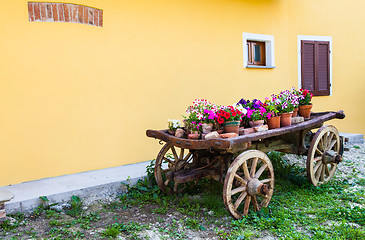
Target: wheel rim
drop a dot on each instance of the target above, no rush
(326, 140)
(249, 181)
(171, 159)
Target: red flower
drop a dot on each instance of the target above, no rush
(226, 115)
(220, 120)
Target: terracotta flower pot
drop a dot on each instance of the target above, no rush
(305, 111)
(285, 119)
(232, 127)
(295, 112)
(256, 123)
(207, 127)
(228, 135)
(193, 136)
(274, 122)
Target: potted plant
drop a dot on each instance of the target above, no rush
(273, 118)
(201, 117)
(305, 105)
(285, 102)
(230, 117)
(297, 94)
(173, 124)
(193, 125)
(243, 105)
(256, 113)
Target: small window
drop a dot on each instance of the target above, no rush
(258, 50)
(256, 53)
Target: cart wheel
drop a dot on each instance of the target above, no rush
(323, 155)
(169, 160)
(249, 179)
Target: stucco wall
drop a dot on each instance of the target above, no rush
(75, 97)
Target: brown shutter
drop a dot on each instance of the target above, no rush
(308, 65)
(316, 67)
(323, 67)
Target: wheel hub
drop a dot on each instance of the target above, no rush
(255, 187)
(331, 157)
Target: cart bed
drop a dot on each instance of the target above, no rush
(316, 121)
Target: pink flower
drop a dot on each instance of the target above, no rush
(249, 113)
(262, 110)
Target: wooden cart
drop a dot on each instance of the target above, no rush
(241, 164)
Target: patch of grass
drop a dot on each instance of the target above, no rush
(117, 228)
(111, 231)
(192, 223)
(75, 206)
(361, 181)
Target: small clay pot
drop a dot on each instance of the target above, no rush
(256, 123)
(228, 135)
(305, 111)
(274, 122)
(232, 127)
(295, 112)
(193, 136)
(285, 119)
(207, 127)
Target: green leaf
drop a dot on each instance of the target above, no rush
(75, 198)
(44, 198)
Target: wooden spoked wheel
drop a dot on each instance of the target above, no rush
(170, 160)
(249, 180)
(323, 155)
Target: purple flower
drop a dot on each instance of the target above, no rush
(256, 105)
(243, 102)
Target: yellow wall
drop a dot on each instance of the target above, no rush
(75, 97)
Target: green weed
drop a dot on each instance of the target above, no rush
(75, 206)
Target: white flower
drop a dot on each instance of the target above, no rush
(174, 123)
(240, 108)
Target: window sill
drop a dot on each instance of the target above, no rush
(268, 67)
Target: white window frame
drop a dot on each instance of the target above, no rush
(313, 38)
(269, 49)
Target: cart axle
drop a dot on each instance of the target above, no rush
(184, 176)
